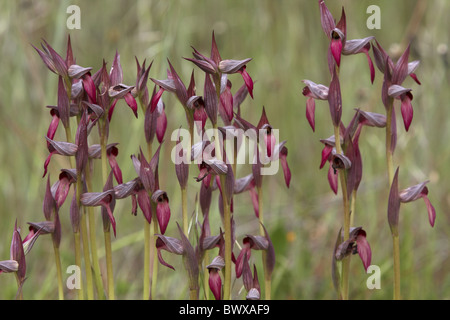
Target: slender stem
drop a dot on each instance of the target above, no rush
(77, 240)
(389, 153)
(396, 247)
(19, 285)
(87, 258)
(153, 252)
(184, 211)
(226, 222)
(267, 277)
(58, 271)
(93, 240)
(146, 286)
(227, 226)
(343, 182)
(390, 169)
(106, 233)
(109, 267)
(206, 275)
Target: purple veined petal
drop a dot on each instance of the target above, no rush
(245, 252)
(58, 61)
(63, 102)
(215, 55)
(111, 110)
(46, 59)
(310, 113)
(161, 125)
(247, 79)
(47, 162)
(89, 87)
(285, 166)
(215, 283)
(143, 200)
(369, 60)
(407, 110)
(226, 104)
(131, 102)
(53, 124)
(254, 198)
(314, 90)
(232, 66)
(269, 140)
(63, 189)
(335, 100)
(155, 99)
(336, 49)
(49, 203)
(169, 244)
(162, 209)
(430, 209)
(17, 253)
(326, 19)
(396, 91)
(9, 266)
(400, 71)
(112, 154)
(326, 152)
(333, 178)
(364, 251)
(394, 205)
(210, 99)
(116, 73)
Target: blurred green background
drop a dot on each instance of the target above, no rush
(287, 45)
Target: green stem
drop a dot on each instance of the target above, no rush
(184, 211)
(153, 252)
(109, 267)
(396, 247)
(77, 240)
(226, 222)
(147, 245)
(93, 241)
(87, 258)
(390, 169)
(389, 154)
(343, 182)
(58, 271)
(107, 235)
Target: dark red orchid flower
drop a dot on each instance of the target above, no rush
(216, 66)
(215, 281)
(339, 45)
(162, 209)
(356, 243)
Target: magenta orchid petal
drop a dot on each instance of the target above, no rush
(161, 125)
(364, 251)
(155, 99)
(247, 79)
(112, 154)
(326, 152)
(336, 50)
(131, 103)
(215, 283)
(111, 109)
(310, 112)
(89, 87)
(285, 166)
(431, 210)
(407, 110)
(254, 197)
(53, 125)
(333, 178)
